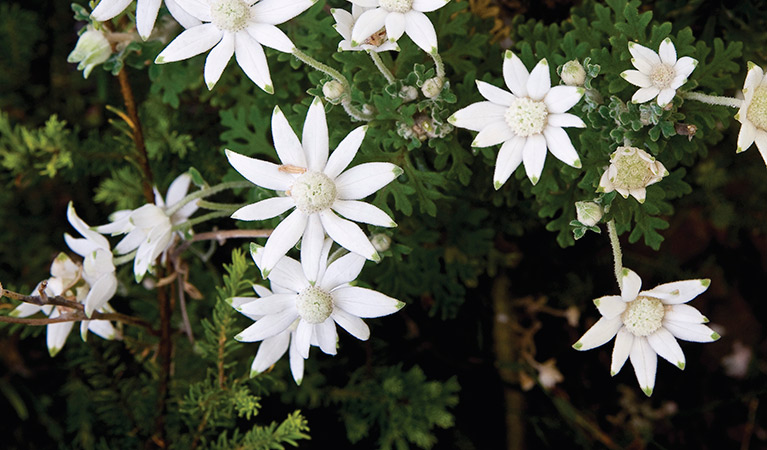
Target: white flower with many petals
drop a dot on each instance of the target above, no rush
(377, 42)
(397, 17)
(146, 13)
(98, 266)
(317, 306)
(658, 74)
(753, 112)
(648, 323)
(235, 27)
(65, 281)
(630, 171)
(315, 185)
(92, 49)
(527, 120)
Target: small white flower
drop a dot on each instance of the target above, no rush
(235, 27)
(548, 374)
(527, 120)
(314, 185)
(753, 112)
(376, 42)
(176, 192)
(146, 13)
(318, 306)
(398, 17)
(648, 323)
(631, 170)
(659, 74)
(92, 49)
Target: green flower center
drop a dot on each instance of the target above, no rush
(757, 110)
(526, 117)
(643, 316)
(662, 75)
(230, 15)
(313, 192)
(632, 171)
(400, 6)
(314, 305)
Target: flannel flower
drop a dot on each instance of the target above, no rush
(235, 27)
(176, 192)
(377, 42)
(315, 185)
(527, 121)
(753, 112)
(397, 17)
(65, 281)
(630, 171)
(146, 13)
(92, 49)
(658, 74)
(313, 309)
(648, 323)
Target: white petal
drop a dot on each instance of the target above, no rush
(324, 258)
(509, 158)
(272, 304)
(353, 324)
(315, 136)
(428, 5)
(83, 228)
(643, 95)
(343, 154)
(565, 120)
(421, 31)
(186, 19)
(251, 58)
(644, 56)
(601, 332)
(363, 212)
(341, 271)
(477, 115)
(178, 189)
(275, 12)
(754, 77)
(684, 313)
(693, 332)
(261, 291)
(56, 334)
(296, 362)
(102, 328)
(667, 52)
(561, 98)
(265, 209)
(363, 302)
(311, 247)
(560, 146)
(761, 144)
(746, 136)
(268, 326)
(80, 246)
(286, 141)
(282, 239)
(106, 9)
(493, 133)
(365, 179)
(146, 14)
(369, 22)
(678, 291)
(217, 60)
(683, 68)
(515, 74)
(237, 302)
(269, 352)
(610, 306)
(645, 362)
(130, 242)
(637, 78)
(630, 285)
(25, 310)
(666, 346)
(190, 43)
(327, 337)
(494, 94)
(665, 96)
(624, 341)
(288, 274)
(260, 173)
(534, 156)
(198, 8)
(348, 235)
(270, 36)
(539, 81)
(364, 4)
(395, 25)
(102, 290)
(303, 337)
(344, 22)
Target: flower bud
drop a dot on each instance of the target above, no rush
(573, 73)
(381, 242)
(631, 170)
(91, 50)
(588, 213)
(408, 93)
(333, 91)
(432, 87)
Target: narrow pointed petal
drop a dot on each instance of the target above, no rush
(102, 290)
(666, 346)
(265, 209)
(493, 133)
(327, 336)
(600, 333)
(311, 247)
(565, 120)
(341, 271)
(296, 362)
(368, 23)
(260, 173)
(200, 9)
(56, 335)
(315, 136)
(363, 212)
(684, 313)
(395, 25)
(178, 189)
(303, 337)
(494, 94)
(343, 154)
(25, 310)
(344, 22)
(637, 78)
(630, 284)
(761, 144)
(679, 291)
(182, 16)
(268, 326)
(288, 274)
(84, 229)
(667, 52)
(365, 179)
(746, 136)
(363, 302)
(509, 158)
(539, 81)
(286, 142)
(283, 238)
(645, 362)
(190, 43)
(559, 144)
(237, 302)
(102, 328)
(643, 95)
(251, 58)
(275, 12)
(692, 332)
(324, 258)
(106, 9)
(643, 55)
(351, 323)
(217, 60)
(269, 352)
(561, 98)
(84, 330)
(270, 36)
(534, 156)
(421, 31)
(476, 116)
(428, 5)
(515, 74)
(80, 246)
(683, 68)
(348, 235)
(272, 304)
(146, 14)
(610, 306)
(624, 341)
(665, 96)
(364, 4)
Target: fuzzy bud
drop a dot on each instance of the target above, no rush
(333, 91)
(408, 93)
(432, 87)
(91, 50)
(573, 73)
(381, 242)
(631, 170)
(588, 213)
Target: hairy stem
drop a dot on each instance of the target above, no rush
(439, 65)
(382, 67)
(617, 254)
(713, 99)
(147, 180)
(202, 193)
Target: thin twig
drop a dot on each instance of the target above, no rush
(617, 254)
(147, 180)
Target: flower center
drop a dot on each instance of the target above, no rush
(230, 15)
(632, 171)
(400, 6)
(313, 192)
(526, 117)
(314, 305)
(662, 75)
(643, 316)
(757, 110)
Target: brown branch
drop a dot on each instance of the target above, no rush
(138, 135)
(165, 351)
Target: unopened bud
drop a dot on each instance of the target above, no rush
(631, 170)
(573, 73)
(432, 87)
(91, 50)
(381, 242)
(408, 93)
(588, 213)
(333, 91)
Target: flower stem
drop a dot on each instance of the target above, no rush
(122, 259)
(147, 180)
(617, 254)
(713, 99)
(219, 206)
(440, 66)
(204, 218)
(382, 67)
(202, 193)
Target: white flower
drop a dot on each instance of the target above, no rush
(92, 49)
(146, 13)
(316, 187)
(648, 323)
(753, 112)
(65, 281)
(397, 17)
(176, 192)
(235, 27)
(659, 74)
(631, 170)
(527, 120)
(317, 306)
(98, 267)
(376, 42)
(548, 374)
